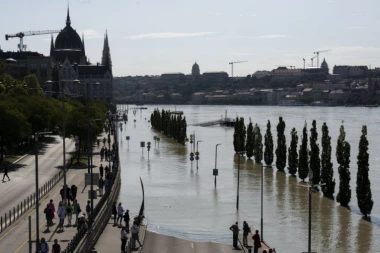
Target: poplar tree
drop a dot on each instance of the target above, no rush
(268, 151)
(303, 162)
(281, 146)
(315, 161)
(363, 185)
(250, 139)
(343, 159)
(236, 135)
(327, 172)
(242, 134)
(292, 153)
(258, 145)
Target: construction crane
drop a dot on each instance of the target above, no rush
(312, 59)
(21, 35)
(303, 63)
(232, 66)
(317, 52)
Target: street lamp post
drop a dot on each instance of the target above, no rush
(37, 197)
(240, 153)
(197, 153)
(262, 200)
(215, 172)
(310, 185)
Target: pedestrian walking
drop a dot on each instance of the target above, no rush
(135, 234)
(56, 247)
(126, 220)
(69, 211)
(246, 231)
(48, 216)
(114, 213)
(120, 213)
(61, 214)
(107, 170)
(106, 153)
(88, 208)
(101, 170)
(101, 154)
(52, 210)
(256, 242)
(101, 186)
(77, 210)
(235, 233)
(123, 237)
(74, 190)
(44, 247)
(107, 183)
(6, 173)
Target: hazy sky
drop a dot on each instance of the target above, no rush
(158, 36)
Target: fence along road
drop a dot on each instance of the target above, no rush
(22, 175)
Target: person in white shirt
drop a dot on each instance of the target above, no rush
(44, 247)
(61, 214)
(120, 214)
(123, 237)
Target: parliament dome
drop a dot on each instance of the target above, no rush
(68, 38)
(195, 70)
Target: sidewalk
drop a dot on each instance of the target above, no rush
(16, 238)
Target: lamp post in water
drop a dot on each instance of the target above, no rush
(311, 185)
(197, 153)
(240, 153)
(215, 171)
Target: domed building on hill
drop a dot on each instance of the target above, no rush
(195, 70)
(73, 72)
(324, 66)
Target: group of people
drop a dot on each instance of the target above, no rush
(246, 230)
(118, 216)
(44, 246)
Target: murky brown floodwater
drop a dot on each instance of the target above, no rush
(182, 201)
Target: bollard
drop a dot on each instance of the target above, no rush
(34, 197)
(1, 223)
(5, 221)
(14, 214)
(18, 209)
(21, 208)
(10, 217)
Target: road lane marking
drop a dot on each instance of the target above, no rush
(27, 240)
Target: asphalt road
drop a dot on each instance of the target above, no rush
(22, 174)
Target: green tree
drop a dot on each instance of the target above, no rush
(242, 134)
(281, 146)
(303, 162)
(363, 185)
(258, 144)
(315, 161)
(343, 159)
(250, 139)
(32, 85)
(268, 151)
(292, 153)
(236, 135)
(327, 172)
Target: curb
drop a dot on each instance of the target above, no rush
(22, 157)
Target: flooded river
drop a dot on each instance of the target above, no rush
(181, 200)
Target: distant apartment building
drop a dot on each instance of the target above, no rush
(347, 72)
(220, 77)
(282, 73)
(21, 64)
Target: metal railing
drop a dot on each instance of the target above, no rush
(18, 211)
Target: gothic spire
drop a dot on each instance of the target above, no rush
(68, 21)
(83, 48)
(52, 46)
(106, 57)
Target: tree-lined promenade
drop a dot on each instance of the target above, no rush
(310, 157)
(24, 110)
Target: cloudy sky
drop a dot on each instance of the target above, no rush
(159, 36)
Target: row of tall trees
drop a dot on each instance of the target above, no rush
(317, 160)
(171, 125)
(24, 110)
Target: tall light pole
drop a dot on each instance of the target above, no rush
(215, 172)
(240, 153)
(197, 153)
(262, 200)
(37, 197)
(311, 185)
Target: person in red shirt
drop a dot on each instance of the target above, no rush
(256, 242)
